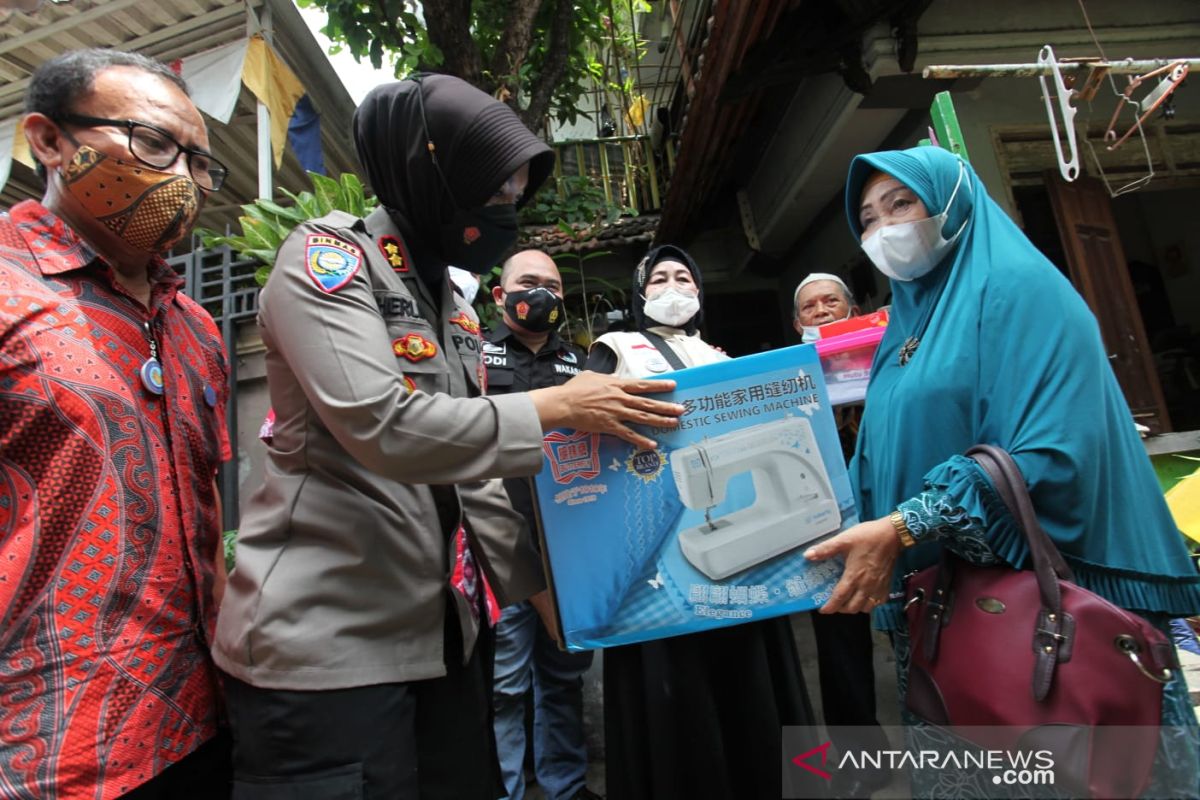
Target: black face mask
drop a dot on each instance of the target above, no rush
(535, 310)
(476, 240)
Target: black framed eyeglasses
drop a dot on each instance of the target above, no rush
(156, 148)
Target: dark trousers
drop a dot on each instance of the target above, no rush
(423, 739)
(202, 775)
(847, 669)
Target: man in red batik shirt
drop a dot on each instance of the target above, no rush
(112, 426)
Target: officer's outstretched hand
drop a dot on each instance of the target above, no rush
(603, 404)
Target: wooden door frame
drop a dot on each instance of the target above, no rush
(1081, 282)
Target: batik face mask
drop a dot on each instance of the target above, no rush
(149, 209)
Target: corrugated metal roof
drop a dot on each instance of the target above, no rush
(712, 127)
(175, 29)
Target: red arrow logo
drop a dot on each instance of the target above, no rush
(802, 760)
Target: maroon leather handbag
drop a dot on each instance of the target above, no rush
(1041, 662)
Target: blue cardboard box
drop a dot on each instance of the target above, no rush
(709, 529)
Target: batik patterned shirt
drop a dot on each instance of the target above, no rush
(108, 520)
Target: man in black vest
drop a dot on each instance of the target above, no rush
(524, 352)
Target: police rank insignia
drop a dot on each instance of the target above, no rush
(394, 251)
(331, 262)
(414, 347)
(462, 320)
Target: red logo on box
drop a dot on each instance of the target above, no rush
(572, 456)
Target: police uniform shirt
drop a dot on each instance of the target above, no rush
(380, 434)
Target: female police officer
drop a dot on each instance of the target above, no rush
(355, 630)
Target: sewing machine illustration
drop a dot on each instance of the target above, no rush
(794, 501)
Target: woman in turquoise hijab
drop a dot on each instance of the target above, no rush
(989, 343)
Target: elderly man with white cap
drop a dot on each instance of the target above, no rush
(821, 298)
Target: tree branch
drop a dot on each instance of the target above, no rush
(553, 69)
(449, 25)
(513, 47)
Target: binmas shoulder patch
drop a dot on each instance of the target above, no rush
(330, 261)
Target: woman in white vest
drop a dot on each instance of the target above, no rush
(696, 715)
(667, 296)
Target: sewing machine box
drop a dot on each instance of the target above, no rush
(708, 530)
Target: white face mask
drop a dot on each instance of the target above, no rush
(908, 250)
(467, 283)
(811, 333)
(672, 307)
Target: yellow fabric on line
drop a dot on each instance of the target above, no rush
(276, 86)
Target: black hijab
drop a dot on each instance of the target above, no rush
(478, 143)
(666, 252)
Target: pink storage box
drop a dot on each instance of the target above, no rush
(846, 362)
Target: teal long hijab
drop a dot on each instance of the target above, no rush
(1011, 356)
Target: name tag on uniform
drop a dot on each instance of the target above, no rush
(566, 369)
(393, 304)
(495, 355)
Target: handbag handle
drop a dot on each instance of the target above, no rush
(1006, 477)
(1053, 629)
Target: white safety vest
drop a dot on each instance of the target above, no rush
(637, 357)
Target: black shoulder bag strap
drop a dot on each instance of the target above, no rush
(660, 344)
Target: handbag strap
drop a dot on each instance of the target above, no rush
(1010, 485)
(1053, 629)
(660, 344)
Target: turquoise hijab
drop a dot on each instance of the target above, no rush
(1009, 355)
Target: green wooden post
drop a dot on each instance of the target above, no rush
(945, 125)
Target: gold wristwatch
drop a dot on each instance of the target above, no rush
(902, 531)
